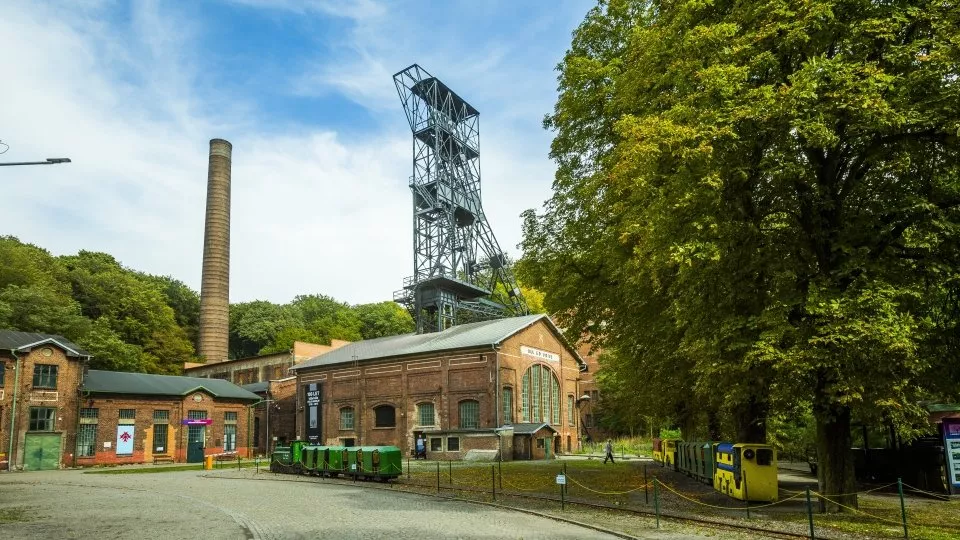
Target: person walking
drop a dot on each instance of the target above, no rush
(609, 451)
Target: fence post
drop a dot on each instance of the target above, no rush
(646, 492)
(493, 481)
(238, 462)
(256, 460)
(565, 475)
(903, 508)
(656, 499)
(500, 473)
(746, 493)
(563, 502)
(438, 478)
(408, 467)
(450, 471)
(810, 513)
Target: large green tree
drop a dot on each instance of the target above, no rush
(765, 196)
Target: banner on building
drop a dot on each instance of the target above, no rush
(125, 440)
(311, 418)
(537, 354)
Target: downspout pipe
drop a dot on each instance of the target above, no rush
(13, 411)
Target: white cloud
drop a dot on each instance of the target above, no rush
(312, 209)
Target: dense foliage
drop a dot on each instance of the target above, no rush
(131, 321)
(757, 205)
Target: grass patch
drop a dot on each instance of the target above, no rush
(13, 515)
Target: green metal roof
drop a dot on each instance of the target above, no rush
(118, 382)
(530, 428)
(13, 340)
(466, 336)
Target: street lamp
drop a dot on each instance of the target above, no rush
(49, 161)
(585, 398)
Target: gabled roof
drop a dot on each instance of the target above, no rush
(118, 382)
(256, 387)
(530, 428)
(466, 336)
(13, 340)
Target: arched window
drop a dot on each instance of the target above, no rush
(469, 414)
(541, 395)
(425, 414)
(384, 416)
(346, 418)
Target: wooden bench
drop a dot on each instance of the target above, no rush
(163, 458)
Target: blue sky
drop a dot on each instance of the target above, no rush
(133, 91)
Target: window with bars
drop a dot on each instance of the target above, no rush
(555, 395)
(86, 415)
(161, 417)
(525, 398)
(160, 438)
(44, 376)
(346, 418)
(230, 417)
(453, 444)
(197, 415)
(3, 369)
(541, 395)
(42, 418)
(127, 416)
(469, 414)
(425, 414)
(570, 406)
(507, 405)
(230, 437)
(86, 440)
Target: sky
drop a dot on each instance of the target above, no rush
(132, 92)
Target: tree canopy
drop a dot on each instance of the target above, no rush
(133, 321)
(758, 203)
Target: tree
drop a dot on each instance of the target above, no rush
(765, 195)
(383, 319)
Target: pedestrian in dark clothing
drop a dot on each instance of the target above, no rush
(609, 451)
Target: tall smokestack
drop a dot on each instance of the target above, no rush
(215, 284)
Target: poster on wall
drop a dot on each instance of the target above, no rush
(311, 418)
(951, 441)
(125, 440)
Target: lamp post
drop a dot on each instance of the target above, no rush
(49, 161)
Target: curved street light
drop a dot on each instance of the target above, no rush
(49, 161)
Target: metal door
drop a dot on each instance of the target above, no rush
(195, 438)
(41, 451)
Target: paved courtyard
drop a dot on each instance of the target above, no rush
(70, 504)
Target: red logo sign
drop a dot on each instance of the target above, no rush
(125, 437)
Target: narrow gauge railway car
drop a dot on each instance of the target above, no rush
(697, 460)
(364, 462)
(747, 472)
(665, 452)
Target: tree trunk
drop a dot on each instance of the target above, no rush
(834, 459)
(751, 421)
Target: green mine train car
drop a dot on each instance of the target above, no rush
(373, 462)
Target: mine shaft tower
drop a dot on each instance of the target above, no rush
(459, 271)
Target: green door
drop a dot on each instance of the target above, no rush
(41, 451)
(195, 443)
(546, 447)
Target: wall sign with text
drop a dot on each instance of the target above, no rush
(539, 355)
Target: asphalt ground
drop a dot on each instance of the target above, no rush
(214, 505)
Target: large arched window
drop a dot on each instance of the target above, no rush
(384, 416)
(541, 395)
(469, 414)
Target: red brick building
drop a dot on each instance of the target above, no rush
(135, 417)
(465, 390)
(275, 417)
(54, 413)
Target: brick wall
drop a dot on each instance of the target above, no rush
(62, 398)
(443, 380)
(108, 420)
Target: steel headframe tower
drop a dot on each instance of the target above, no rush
(457, 263)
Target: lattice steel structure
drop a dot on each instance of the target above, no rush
(457, 263)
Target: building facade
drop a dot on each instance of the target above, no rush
(463, 390)
(55, 413)
(261, 368)
(275, 416)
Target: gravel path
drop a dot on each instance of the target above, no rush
(70, 504)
